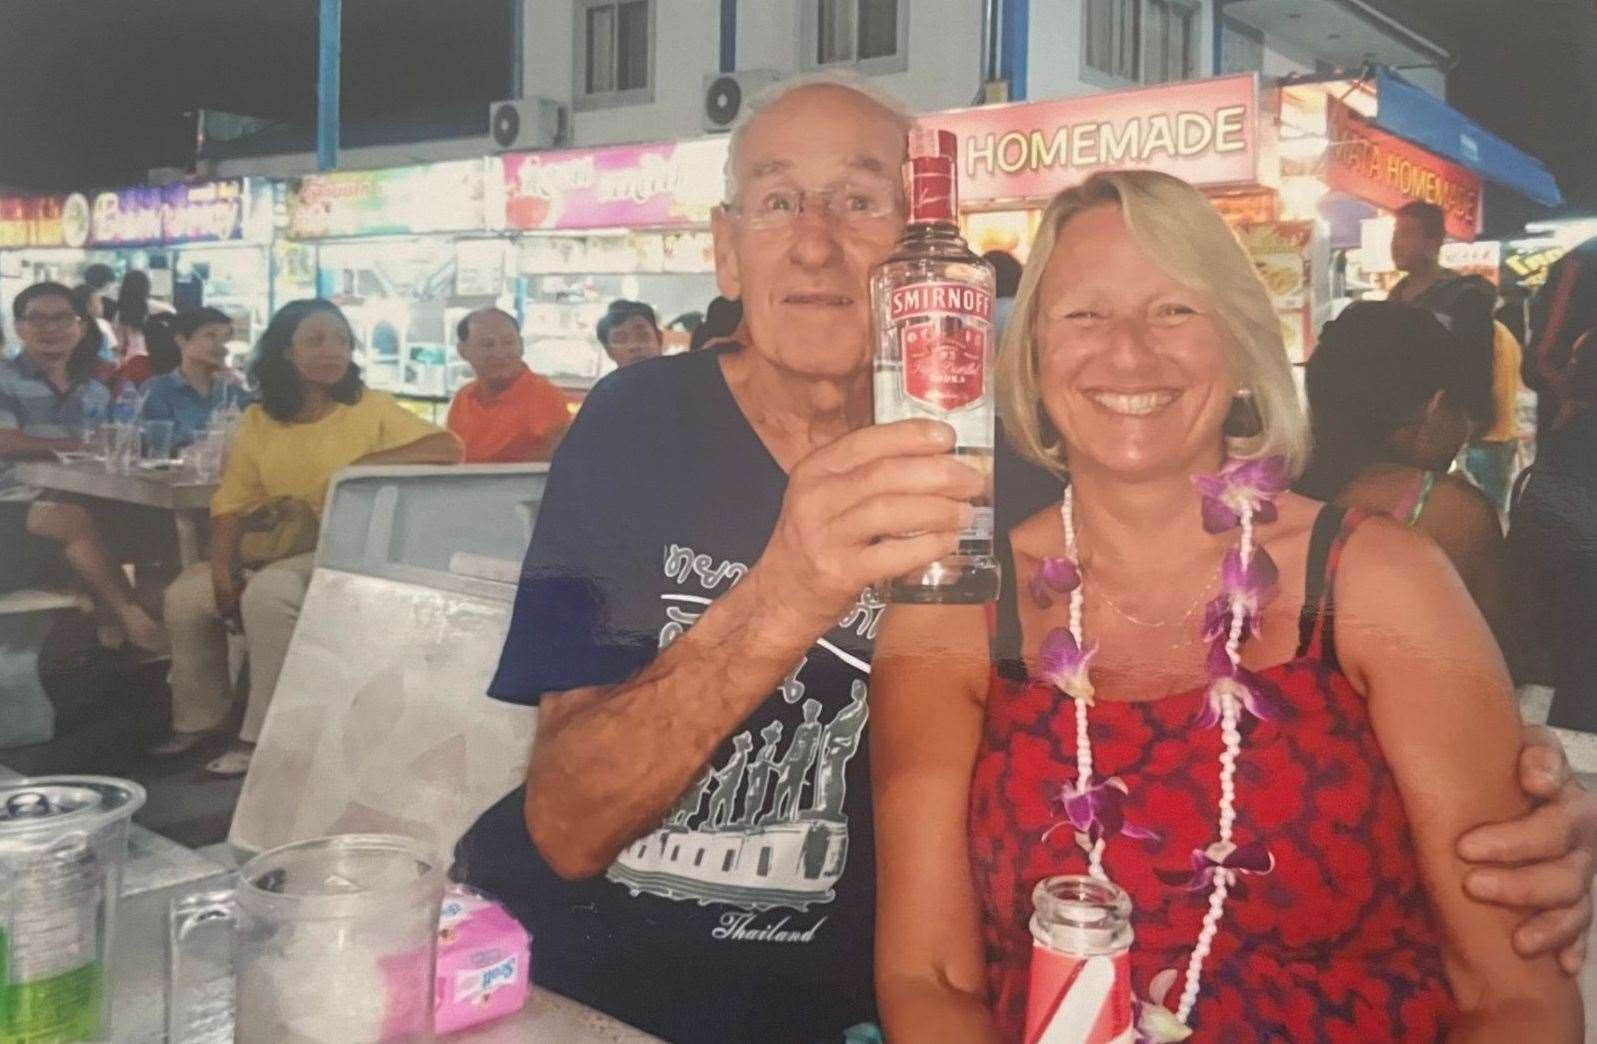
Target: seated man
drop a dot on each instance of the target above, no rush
(508, 414)
(45, 393)
(201, 382)
(630, 332)
(693, 847)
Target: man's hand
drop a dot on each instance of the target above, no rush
(1544, 860)
(875, 504)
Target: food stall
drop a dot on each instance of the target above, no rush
(591, 225)
(1215, 134)
(1308, 173)
(43, 238)
(202, 243)
(404, 253)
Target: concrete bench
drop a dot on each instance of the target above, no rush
(26, 714)
(381, 721)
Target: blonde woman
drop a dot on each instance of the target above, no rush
(1268, 720)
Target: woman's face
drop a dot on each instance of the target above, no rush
(207, 345)
(320, 349)
(1132, 363)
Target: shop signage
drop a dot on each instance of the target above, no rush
(1525, 263)
(1206, 132)
(1380, 168)
(666, 185)
(61, 220)
(16, 223)
(126, 217)
(203, 212)
(435, 197)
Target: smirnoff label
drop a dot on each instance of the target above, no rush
(944, 330)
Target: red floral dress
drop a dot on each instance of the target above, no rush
(1336, 943)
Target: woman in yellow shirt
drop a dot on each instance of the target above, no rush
(314, 417)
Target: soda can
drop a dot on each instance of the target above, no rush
(1080, 989)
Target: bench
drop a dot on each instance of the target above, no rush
(26, 714)
(381, 721)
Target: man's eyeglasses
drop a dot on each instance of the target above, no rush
(847, 204)
(53, 321)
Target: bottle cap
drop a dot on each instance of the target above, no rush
(929, 176)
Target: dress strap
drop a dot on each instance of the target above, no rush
(1003, 620)
(1317, 622)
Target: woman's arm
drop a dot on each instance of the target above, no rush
(226, 583)
(1439, 698)
(440, 447)
(928, 689)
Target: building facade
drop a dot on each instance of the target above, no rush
(637, 70)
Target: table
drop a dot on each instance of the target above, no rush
(177, 491)
(138, 967)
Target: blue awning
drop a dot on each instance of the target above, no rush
(1410, 113)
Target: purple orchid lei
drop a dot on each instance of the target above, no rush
(1241, 495)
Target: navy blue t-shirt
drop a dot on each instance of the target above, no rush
(747, 914)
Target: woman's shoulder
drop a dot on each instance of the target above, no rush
(1459, 515)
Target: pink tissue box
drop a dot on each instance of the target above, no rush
(484, 961)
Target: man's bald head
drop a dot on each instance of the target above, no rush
(840, 92)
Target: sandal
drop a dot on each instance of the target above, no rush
(178, 743)
(234, 763)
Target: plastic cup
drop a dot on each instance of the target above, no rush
(157, 440)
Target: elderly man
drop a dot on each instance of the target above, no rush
(508, 414)
(695, 578)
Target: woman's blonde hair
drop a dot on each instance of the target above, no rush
(1176, 224)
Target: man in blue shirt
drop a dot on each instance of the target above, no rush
(693, 847)
(46, 394)
(201, 383)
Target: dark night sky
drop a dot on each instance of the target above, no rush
(94, 91)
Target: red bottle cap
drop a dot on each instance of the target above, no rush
(930, 176)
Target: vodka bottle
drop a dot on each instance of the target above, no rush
(932, 320)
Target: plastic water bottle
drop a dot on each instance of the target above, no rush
(125, 421)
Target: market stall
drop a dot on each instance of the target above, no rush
(1213, 133)
(592, 225)
(403, 252)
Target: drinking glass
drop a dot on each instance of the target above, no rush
(157, 440)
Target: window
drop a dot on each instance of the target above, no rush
(1172, 42)
(1113, 38)
(1241, 48)
(1141, 41)
(698, 858)
(868, 34)
(615, 52)
(676, 850)
(726, 864)
(765, 861)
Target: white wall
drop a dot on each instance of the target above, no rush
(1054, 59)
(686, 47)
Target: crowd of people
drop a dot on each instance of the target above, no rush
(1250, 661)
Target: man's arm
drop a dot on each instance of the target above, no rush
(608, 762)
(14, 445)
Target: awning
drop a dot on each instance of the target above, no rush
(1411, 113)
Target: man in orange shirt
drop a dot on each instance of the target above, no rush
(508, 414)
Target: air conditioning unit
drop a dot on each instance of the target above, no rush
(526, 123)
(725, 94)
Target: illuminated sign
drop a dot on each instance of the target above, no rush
(1380, 168)
(1205, 132)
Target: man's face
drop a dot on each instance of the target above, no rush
(1412, 246)
(802, 275)
(492, 347)
(49, 329)
(633, 341)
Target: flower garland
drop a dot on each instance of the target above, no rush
(1240, 496)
